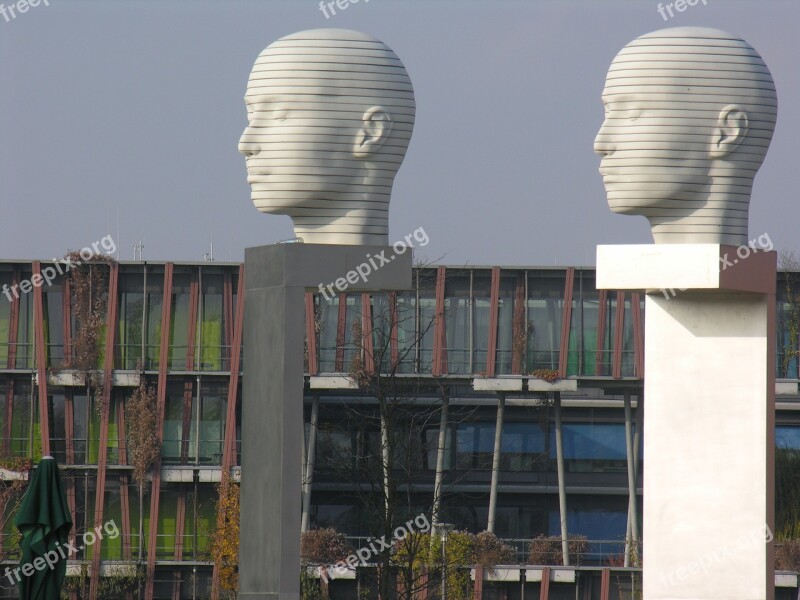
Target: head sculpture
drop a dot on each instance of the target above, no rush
(689, 115)
(330, 115)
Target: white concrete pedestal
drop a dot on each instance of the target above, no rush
(709, 416)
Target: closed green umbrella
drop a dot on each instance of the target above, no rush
(44, 521)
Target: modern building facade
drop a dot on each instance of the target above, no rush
(485, 341)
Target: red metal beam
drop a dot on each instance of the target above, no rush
(566, 321)
(366, 333)
(439, 366)
(494, 308)
(619, 325)
(602, 307)
(41, 357)
(638, 335)
(229, 451)
(311, 335)
(605, 583)
(477, 590)
(163, 363)
(544, 590)
(518, 359)
(341, 325)
(102, 461)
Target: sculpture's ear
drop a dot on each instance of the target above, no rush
(731, 129)
(375, 130)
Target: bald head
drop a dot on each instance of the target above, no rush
(690, 113)
(330, 114)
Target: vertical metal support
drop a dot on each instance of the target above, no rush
(498, 443)
(602, 308)
(605, 583)
(494, 308)
(440, 452)
(439, 366)
(562, 488)
(308, 475)
(619, 330)
(105, 403)
(544, 591)
(638, 335)
(311, 335)
(631, 540)
(161, 395)
(41, 359)
(477, 592)
(566, 321)
(366, 333)
(13, 329)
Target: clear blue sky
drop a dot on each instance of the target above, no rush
(135, 107)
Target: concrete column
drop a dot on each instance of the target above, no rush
(308, 476)
(498, 442)
(632, 537)
(437, 488)
(562, 487)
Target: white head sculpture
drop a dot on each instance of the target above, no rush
(330, 114)
(689, 116)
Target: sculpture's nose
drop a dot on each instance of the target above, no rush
(602, 142)
(247, 146)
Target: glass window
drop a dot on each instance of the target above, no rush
(457, 322)
(523, 447)
(592, 447)
(475, 446)
(212, 325)
(131, 319)
(545, 306)
(787, 436)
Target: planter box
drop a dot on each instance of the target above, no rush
(560, 385)
(497, 384)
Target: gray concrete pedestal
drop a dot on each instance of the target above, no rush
(276, 278)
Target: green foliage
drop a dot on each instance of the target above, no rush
(309, 586)
(114, 586)
(424, 550)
